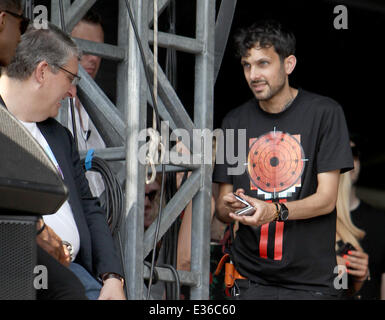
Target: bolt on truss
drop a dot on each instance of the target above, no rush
(120, 125)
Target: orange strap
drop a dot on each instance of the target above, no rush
(221, 263)
(231, 274)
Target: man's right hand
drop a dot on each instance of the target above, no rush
(51, 242)
(226, 202)
(231, 202)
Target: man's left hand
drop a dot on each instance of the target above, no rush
(112, 290)
(264, 212)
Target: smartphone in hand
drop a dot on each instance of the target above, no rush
(241, 200)
(345, 248)
(246, 211)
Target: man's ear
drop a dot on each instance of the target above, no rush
(41, 72)
(290, 63)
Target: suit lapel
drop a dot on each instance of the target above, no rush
(58, 147)
(61, 148)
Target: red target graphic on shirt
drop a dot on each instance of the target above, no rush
(275, 162)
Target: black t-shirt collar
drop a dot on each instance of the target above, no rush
(287, 110)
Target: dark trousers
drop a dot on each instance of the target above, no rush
(62, 283)
(248, 290)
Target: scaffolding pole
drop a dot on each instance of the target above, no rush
(136, 97)
(203, 118)
(120, 126)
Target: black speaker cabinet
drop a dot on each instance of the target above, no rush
(29, 181)
(17, 257)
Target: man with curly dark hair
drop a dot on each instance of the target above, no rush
(297, 145)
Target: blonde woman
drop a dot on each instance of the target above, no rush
(355, 259)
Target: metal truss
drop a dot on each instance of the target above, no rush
(120, 125)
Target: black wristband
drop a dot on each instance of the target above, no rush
(110, 275)
(41, 229)
(276, 217)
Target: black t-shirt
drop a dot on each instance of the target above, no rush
(372, 221)
(281, 157)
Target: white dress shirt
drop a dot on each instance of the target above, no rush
(62, 222)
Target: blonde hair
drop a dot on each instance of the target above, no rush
(346, 230)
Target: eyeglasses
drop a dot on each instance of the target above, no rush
(76, 79)
(151, 195)
(24, 21)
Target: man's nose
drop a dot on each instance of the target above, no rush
(92, 58)
(147, 201)
(255, 73)
(71, 93)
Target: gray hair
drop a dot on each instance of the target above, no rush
(51, 45)
(12, 5)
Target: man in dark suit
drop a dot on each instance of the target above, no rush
(42, 73)
(62, 283)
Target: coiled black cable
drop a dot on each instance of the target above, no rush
(112, 200)
(176, 295)
(113, 194)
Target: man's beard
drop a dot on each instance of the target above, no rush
(271, 91)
